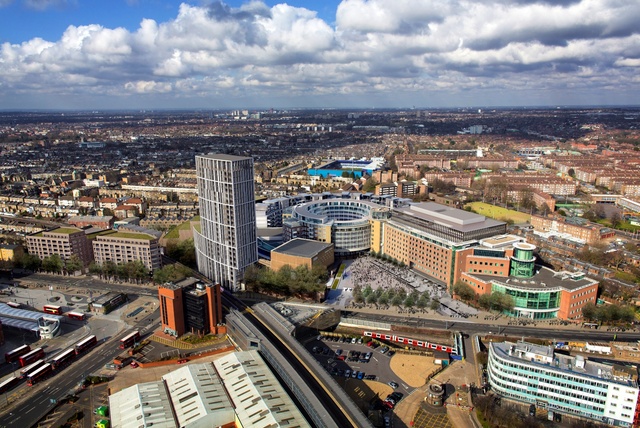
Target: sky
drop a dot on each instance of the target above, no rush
(160, 54)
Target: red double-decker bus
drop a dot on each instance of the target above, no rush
(39, 374)
(52, 309)
(76, 316)
(32, 356)
(63, 359)
(85, 344)
(30, 368)
(12, 356)
(129, 340)
(8, 384)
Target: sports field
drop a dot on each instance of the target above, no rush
(499, 213)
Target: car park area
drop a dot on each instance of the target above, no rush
(358, 366)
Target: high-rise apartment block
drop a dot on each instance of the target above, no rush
(226, 244)
(63, 241)
(191, 306)
(122, 247)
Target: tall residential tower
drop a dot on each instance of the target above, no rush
(226, 244)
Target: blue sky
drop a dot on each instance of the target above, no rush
(24, 20)
(92, 54)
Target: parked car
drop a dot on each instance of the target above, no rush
(384, 349)
(354, 374)
(341, 357)
(391, 353)
(393, 384)
(370, 377)
(360, 375)
(347, 373)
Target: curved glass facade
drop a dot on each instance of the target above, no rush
(530, 303)
(347, 219)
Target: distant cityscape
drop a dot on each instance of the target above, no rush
(362, 267)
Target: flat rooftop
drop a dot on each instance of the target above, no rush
(545, 356)
(302, 247)
(543, 279)
(453, 218)
(224, 157)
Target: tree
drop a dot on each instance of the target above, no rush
(73, 264)
(434, 305)
(397, 300)
(571, 172)
(52, 264)
(615, 219)
(464, 291)
(589, 311)
(370, 185)
(544, 209)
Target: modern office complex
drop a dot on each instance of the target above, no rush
(191, 306)
(427, 236)
(226, 244)
(505, 265)
(570, 385)
(63, 241)
(343, 222)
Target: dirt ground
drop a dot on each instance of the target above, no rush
(413, 369)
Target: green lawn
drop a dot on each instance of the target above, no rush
(175, 232)
(498, 213)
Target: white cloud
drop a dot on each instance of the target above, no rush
(414, 47)
(147, 86)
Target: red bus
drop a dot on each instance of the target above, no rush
(39, 374)
(85, 344)
(52, 309)
(12, 356)
(32, 356)
(76, 316)
(129, 340)
(8, 384)
(30, 368)
(63, 359)
(14, 305)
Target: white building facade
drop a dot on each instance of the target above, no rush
(226, 244)
(570, 385)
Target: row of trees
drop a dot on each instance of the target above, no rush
(287, 281)
(608, 313)
(494, 301)
(394, 297)
(134, 271)
(51, 264)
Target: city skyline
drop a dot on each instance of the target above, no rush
(142, 54)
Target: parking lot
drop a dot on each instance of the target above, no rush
(363, 371)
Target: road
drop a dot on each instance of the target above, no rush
(37, 403)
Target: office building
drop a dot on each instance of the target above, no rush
(426, 237)
(504, 264)
(191, 306)
(302, 252)
(226, 244)
(604, 391)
